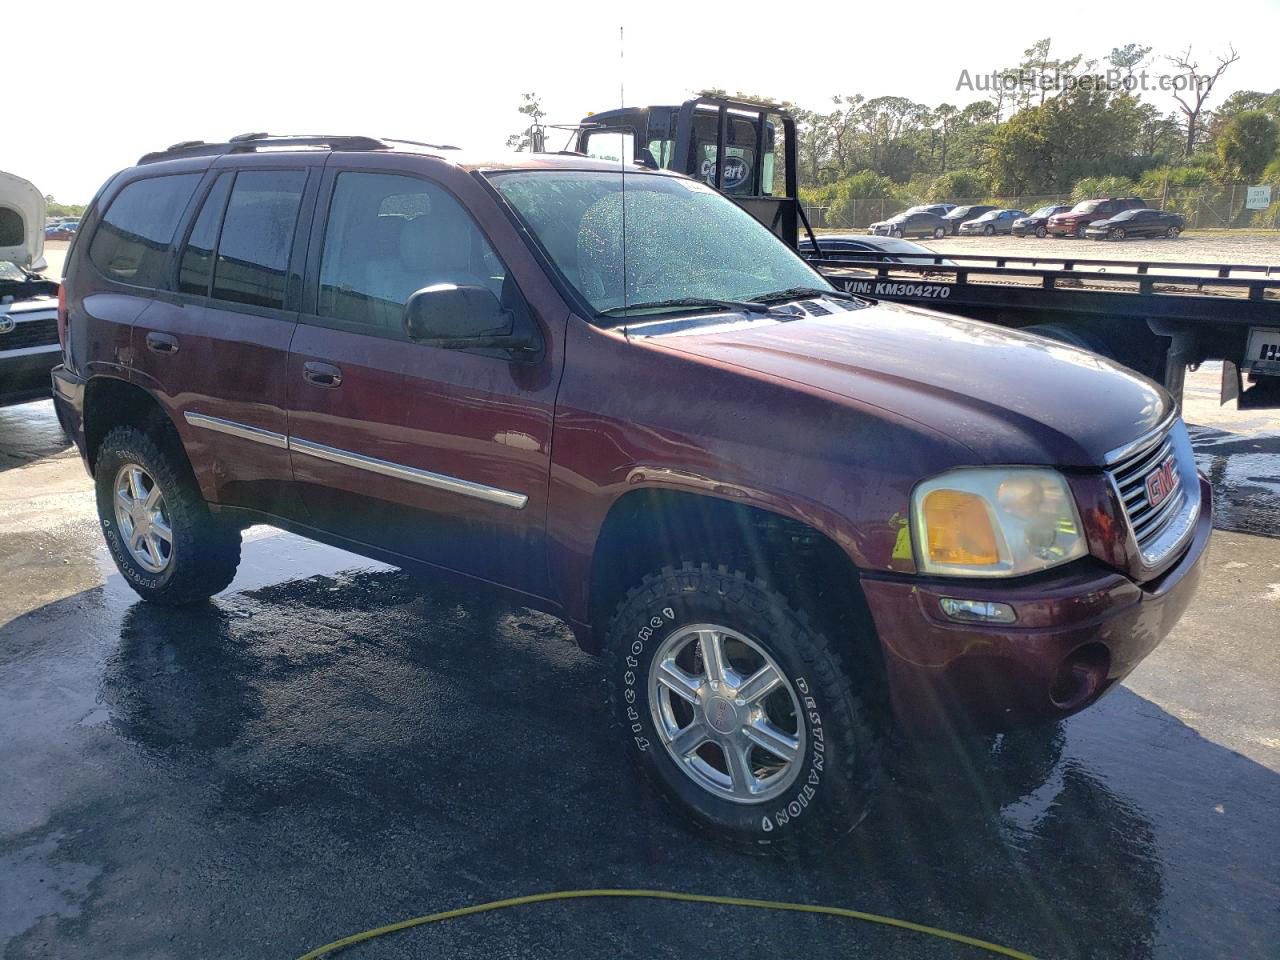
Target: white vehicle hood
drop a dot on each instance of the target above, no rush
(22, 210)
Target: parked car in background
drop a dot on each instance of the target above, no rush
(783, 514)
(1036, 222)
(1137, 223)
(856, 246)
(915, 222)
(59, 231)
(28, 302)
(1075, 221)
(958, 215)
(991, 223)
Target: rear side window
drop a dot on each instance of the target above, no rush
(132, 242)
(257, 234)
(197, 259)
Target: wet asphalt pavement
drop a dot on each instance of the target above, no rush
(330, 746)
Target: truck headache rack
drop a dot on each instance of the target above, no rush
(252, 142)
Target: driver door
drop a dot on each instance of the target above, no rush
(435, 454)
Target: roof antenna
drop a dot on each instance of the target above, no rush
(622, 103)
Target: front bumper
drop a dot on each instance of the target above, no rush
(1063, 229)
(24, 374)
(1076, 637)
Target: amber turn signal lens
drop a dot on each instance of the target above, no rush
(960, 530)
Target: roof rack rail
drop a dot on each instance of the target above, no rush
(420, 143)
(251, 142)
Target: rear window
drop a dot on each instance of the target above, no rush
(257, 235)
(11, 230)
(132, 242)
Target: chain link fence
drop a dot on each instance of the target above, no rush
(1215, 207)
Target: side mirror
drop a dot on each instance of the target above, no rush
(457, 316)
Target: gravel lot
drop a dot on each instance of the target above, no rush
(1260, 249)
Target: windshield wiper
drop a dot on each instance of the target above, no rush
(704, 303)
(798, 293)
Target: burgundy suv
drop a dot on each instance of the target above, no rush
(783, 515)
(1075, 221)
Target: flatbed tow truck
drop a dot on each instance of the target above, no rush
(1158, 318)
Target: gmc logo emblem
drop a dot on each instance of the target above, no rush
(1162, 481)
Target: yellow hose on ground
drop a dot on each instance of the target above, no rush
(664, 895)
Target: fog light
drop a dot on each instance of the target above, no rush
(978, 610)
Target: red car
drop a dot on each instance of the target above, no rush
(785, 516)
(1076, 221)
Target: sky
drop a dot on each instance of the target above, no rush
(113, 80)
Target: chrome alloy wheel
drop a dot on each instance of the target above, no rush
(142, 518)
(726, 713)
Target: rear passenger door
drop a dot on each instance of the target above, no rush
(216, 345)
(437, 454)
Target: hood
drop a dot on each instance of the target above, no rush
(1011, 398)
(22, 211)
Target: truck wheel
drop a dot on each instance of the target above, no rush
(163, 538)
(1080, 231)
(737, 709)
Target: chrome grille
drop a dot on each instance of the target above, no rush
(1150, 524)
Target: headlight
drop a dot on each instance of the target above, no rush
(995, 522)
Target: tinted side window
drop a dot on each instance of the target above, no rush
(257, 235)
(197, 258)
(388, 236)
(132, 241)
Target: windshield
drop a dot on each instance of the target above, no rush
(990, 215)
(958, 212)
(1046, 211)
(1126, 215)
(1086, 206)
(683, 240)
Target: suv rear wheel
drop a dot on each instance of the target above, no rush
(159, 530)
(737, 709)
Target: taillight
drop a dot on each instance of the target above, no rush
(62, 315)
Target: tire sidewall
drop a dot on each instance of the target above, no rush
(112, 457)
(1041, 232)
(815, 797)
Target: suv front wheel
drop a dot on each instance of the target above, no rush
(159, 530)
(737, 709)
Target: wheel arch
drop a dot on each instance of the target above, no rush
(651, 527)
(111, 401)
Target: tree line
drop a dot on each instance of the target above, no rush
(1047, 125)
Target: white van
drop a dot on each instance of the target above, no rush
(29, 346)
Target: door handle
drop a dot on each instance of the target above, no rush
(162, 342)
(322, 374)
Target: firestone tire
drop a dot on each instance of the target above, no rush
(203, 552)
(837, 766)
